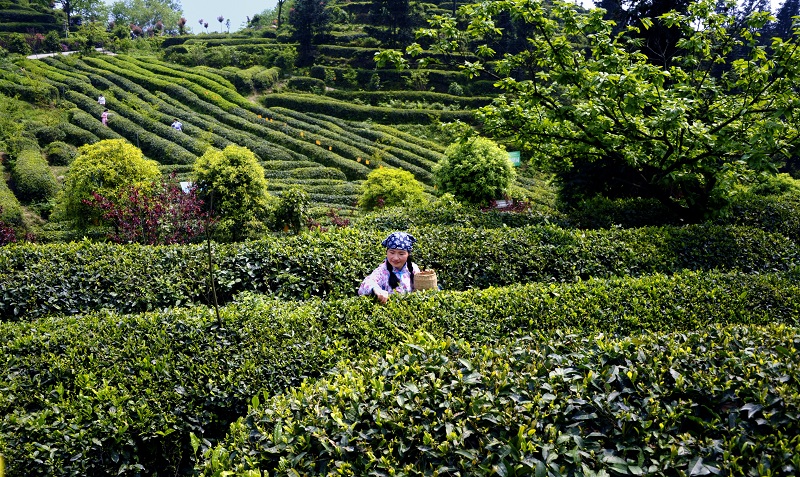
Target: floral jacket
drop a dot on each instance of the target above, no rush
(379, 279)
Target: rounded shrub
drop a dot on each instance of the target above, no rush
(32, 177)
(266, 78)
(10, 209)
(231, 182)
(386, 187)
(291, 212)
(475, 170)
(60, 153)
(104, 168)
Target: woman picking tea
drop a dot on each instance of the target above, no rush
(396, 273)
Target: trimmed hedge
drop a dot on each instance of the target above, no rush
(37, 280)
(443, 213)
(306, 84)
(375, 97)
(309, 103)
(313, 172)
(92, 124)
(27, 27)
(778, 213)
(391, 148)
(10, 208)
(32, 178)
(266, 78)
(104, 394)
(724, 401)
(152, 145)
(60, 153)
(27, 89)
(76, 135)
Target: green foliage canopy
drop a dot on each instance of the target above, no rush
(291, 211)
(232, 183)
(387, 187)
(147, 13)
(103, 167)
(475, 170)
(588, 104)
(309, 19)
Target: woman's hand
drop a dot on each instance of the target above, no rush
(383, 296)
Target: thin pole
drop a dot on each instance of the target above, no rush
(210, 261)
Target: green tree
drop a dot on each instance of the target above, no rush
(91, 35)
(393, 19)
(387, 187)
(291, 213)
(475, 170)
(588, 103)
(784, 24)
(658, 41)
(280, 12)
(147, 13)
(104, 167)
(231, 183)
(89, 10)
(309, 19)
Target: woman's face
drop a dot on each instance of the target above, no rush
(397, 258)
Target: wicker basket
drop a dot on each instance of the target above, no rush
(425, 280)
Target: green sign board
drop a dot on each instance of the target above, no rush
(514, 157)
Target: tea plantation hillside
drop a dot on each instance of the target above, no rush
(329, 155)
(600, 336)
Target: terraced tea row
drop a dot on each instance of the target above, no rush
(144, 98)
(129, 391)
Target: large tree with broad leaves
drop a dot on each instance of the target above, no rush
(589, 103)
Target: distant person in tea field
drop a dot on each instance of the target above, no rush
(177, 125)
(104, 117)
(102, 100)
(396, 273)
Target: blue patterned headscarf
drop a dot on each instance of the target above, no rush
(399, 241)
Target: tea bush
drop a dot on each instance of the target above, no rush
(652, 404)
(774, 213)
(60, 153)
(10, 208)
(33, 180)
(107, 393)
(266, 78)
(342, 109)
(37, 280)
(375, 98)
(390, 187)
